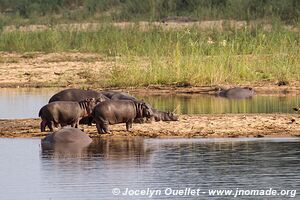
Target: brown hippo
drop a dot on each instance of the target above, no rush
(78, 95)
(163, 116)
(119, 111)
(237, 93)
(67, 135)
(65, 142)
(114, 95)
(65, 113)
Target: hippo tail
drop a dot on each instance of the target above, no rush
(40, 112)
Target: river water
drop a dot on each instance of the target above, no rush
(139, 168)
(25, 103)
(29, 171)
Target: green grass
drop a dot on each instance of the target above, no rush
(175, 57)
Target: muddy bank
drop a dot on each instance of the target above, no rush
(221, 125)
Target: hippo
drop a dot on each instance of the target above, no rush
(237, 93)
(67, 135)
(65, 113)
(119, 111)
(163, 116)
(118, 95)
(65, 142)
(78, 95)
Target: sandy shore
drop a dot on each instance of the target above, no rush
(220, 125)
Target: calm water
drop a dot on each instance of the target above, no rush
(28, 171)
(25, 103)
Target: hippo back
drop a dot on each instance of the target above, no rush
(238, 93)
(76, 95)
(67, 135)
(113, 95)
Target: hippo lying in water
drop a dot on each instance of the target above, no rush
(65, 142)
(65, 113)
(237, 93)
(67, 135)
(119, 111)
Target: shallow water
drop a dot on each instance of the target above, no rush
(28, 171)
(25, 103)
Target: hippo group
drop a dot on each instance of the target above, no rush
(75, 106)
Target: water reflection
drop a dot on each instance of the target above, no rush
(210, 104)
(25, 103)
(29, 172)
(107, 149)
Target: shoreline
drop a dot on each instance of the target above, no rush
(260, 89)
(188, 126)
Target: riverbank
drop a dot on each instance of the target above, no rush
(210, 126)
(91, 70)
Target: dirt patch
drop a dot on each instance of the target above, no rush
(221, 125)
(51, 70)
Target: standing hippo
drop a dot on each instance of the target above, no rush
(65, 113)
(77, 95)
(237, 93)
(119, 111)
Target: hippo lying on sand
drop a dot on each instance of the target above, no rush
(67, 135)
(237, 93)
(65, 113)
(118, 95)
(119, 111)
(163, 116)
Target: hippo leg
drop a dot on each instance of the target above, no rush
(99, 128)
(43, 125)
(128, 125)
(76, 123)
(105, 127)
(50, 125)
(90, 121)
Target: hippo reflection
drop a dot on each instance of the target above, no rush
(237, 93)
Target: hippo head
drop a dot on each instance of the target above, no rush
(90, 105)
(144, 110)
(250, 89)
(170, 116)
(101, 98)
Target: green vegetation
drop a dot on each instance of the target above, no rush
(175, 57)
(18, 12)
(157, 55)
